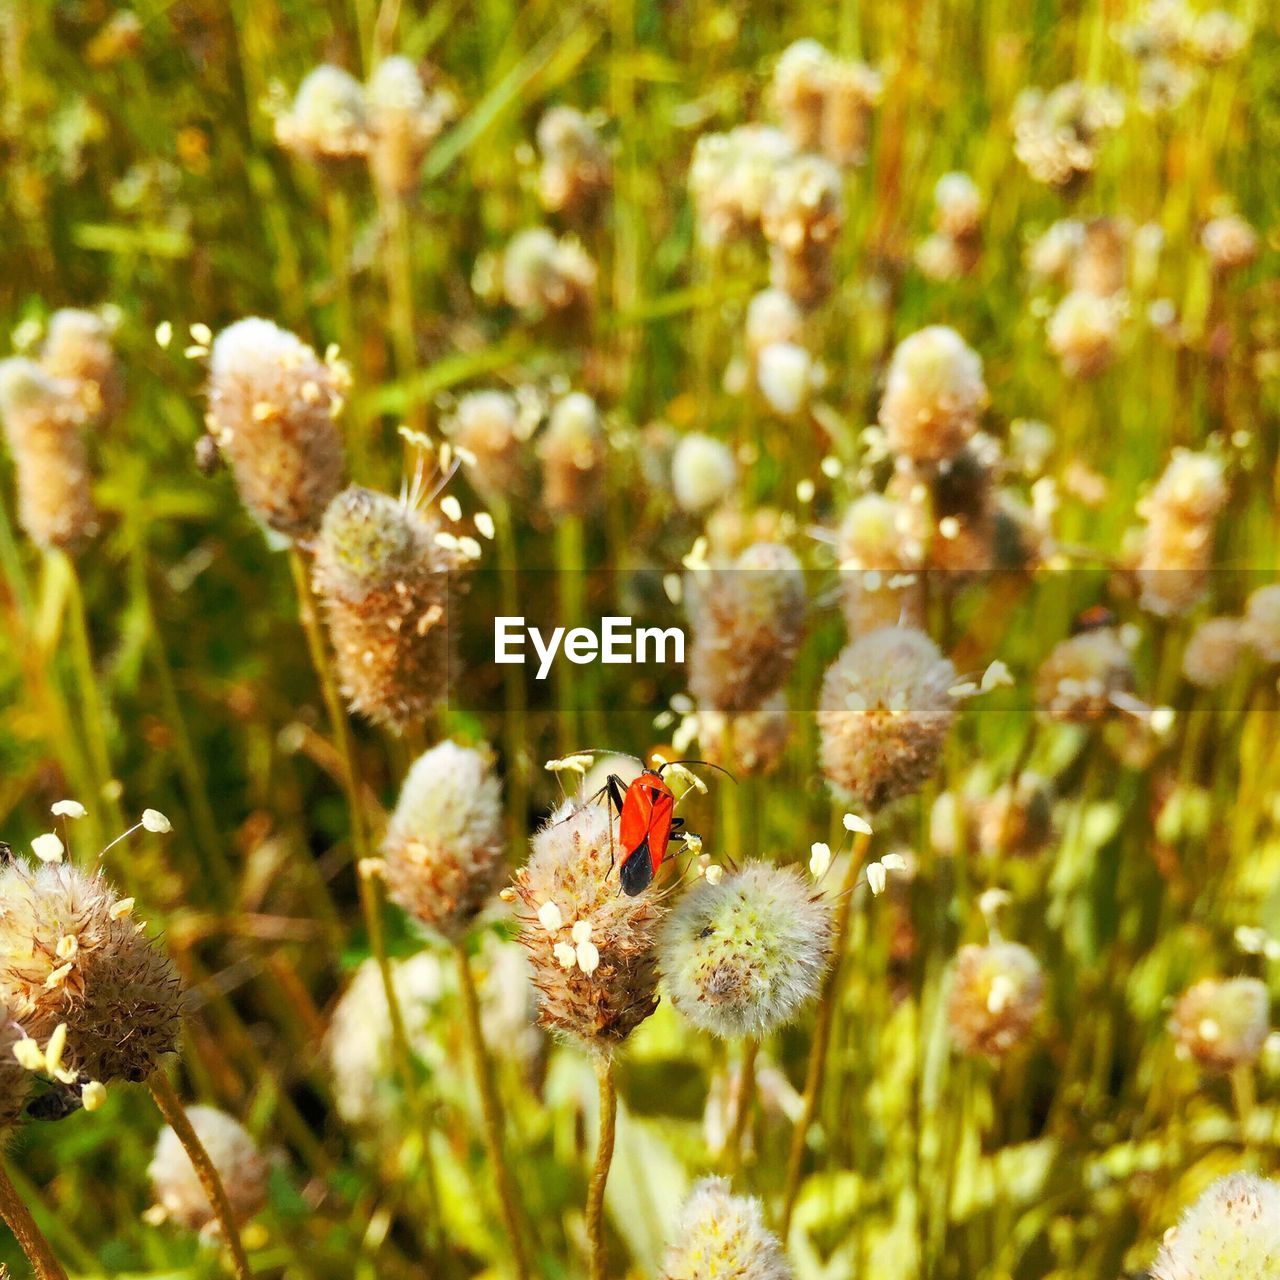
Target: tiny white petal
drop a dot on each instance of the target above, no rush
(155, 821)
(485, 525)
(164, 334)
(69, 809)
(852, 822)
(996, 674)
(819, 859)
(93, 1095)
(48, 848)
(29, 1054)
(714, 873)
(451, 507)
(1162, 719)
(877, 878)
(566, 956)
(581, 931)
(549, 917)
(893, 862)
(588, 956)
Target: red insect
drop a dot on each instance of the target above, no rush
(647, 823)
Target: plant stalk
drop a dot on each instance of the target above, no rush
(604, 1158)
(18, 1219)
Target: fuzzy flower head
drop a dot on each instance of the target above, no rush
(545, 276)
(273, 406)
(933, 395)
(77, 347)
(884, 714)
(486, 427)
(1214, 651)
(1222, 1024)
(573, 450)
(575, 172)
(723, 1237)
(1057, 135)
(384, 576)
(799, 91)
(801, 218)
(404, 119)
(853, 90)
(43, 421)
(772, 318)
(878, 550)
(1231, 1233)
(731, 175)
(591, 947)
(71, 952)
(15, 1079)
(1177, 545)
(743, 956)
(757, 741)
(1079, 681)
(241, 1167)
(443, 847)
(703, 472)
(1262, 622)
(1230, 242)
(1083, 333)
(957, 205)
(327, 118)
(995, 997)
(748, 620)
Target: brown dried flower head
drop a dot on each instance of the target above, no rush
(757, 741)
(242, 1169)
(879, 553)
(384, 571)
(748, 619)
(486, 428)
(1222, 1024)
(1084, 331)
(884, 714)
(1079, 680)
(273, 405)
(443, 847)
(327, 118)
(592, 948)
(71, 952)
(1056, 135)
(404, 118)
(1230, 242)
(801, 218)
(799, 91)
(1214, 652)
(934, 395)
(730, 176)
(546, 276)
(995, 997)
(43, 420)
(853, 90)
(575, 174)
(1101, 264)
(77, 348)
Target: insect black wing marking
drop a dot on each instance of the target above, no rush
(637, 871)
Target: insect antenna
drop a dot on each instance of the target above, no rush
(667, 764)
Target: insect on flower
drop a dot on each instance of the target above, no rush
(647, 821)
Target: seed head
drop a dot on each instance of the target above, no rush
(1054, 253)
(772, 317)
(15, 1079)
(758, 740)
(241, 1168)
(1262, 622)
(573, 451)
(443, 848)
(78, 348)
(1222, 1024)
(747, 621)
(995, 997)
(933, 395)
(723, 1237)
(70, 952)
(43, 420)
(573, 867)
(744, 956)
(1231, 1233)
(545, 276)
(386, 583)
(703, 472)
(957, 205)
(1217, 36)
(273, 406)
(575, 173)
(1213, 652)
(1083, 333)
(1079, 679)
(1100, 265)
(327, 119)
(403, 120)
(1019, 824)
(1230, 242)
(884, 714)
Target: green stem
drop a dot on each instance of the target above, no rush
(491, 1112)
(746, 1102)
(516, 737)
(569, 576)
